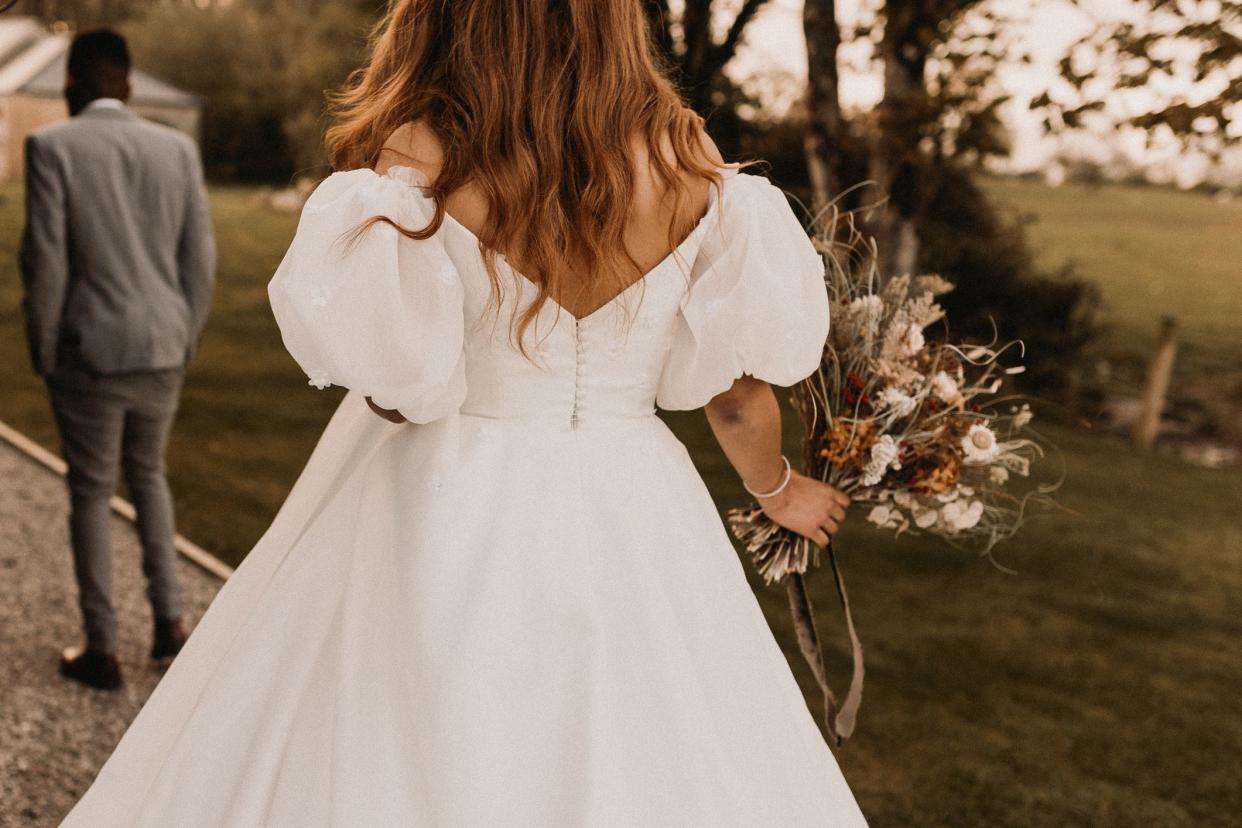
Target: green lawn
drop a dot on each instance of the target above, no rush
(1151, 251)
(1096, 687)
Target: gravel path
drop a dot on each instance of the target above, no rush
(55, 734)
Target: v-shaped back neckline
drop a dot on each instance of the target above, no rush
(713, 200)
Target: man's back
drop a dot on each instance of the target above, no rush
(118, 254)
(118, 264)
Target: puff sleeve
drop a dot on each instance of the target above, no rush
(757, 304)
(381, 315)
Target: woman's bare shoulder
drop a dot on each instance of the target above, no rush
(653, 195)
(709, 146)
(413, 144)
(642, 156)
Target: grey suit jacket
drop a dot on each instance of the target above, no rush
(118, 258)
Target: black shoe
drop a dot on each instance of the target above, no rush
(169, 639)
(92, 668)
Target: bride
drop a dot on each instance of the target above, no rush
(499, 594)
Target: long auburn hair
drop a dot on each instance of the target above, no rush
(537, 104)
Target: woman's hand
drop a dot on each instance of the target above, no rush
(390, 414)
(809, 507)
(747, 422)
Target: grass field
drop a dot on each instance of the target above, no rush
(1096, 687)
(1152, 251)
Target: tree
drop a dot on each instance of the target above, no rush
(1194, 44)
(261, 67)
(689, 47)
(938, 119)
(825, 127)
(938, 58)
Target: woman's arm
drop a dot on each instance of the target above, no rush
(746, 420)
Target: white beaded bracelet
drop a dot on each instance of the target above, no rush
(784, 482)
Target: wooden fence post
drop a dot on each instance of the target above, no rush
(1156, 388)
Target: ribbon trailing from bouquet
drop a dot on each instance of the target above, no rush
(839, 719)
(780, 556)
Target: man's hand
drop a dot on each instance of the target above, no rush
(390, 414)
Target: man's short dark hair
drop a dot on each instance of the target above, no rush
(99, 56)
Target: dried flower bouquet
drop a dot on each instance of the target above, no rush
(915, 429)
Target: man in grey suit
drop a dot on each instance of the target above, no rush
(118, 263)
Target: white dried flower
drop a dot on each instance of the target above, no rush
(961, 514)
(883, 456)
(319, 380)
(914, 340)
(925, 517)
(979, 444)
(888, 517)
(998, 475)
(898, 401)
(933, 283)
(944, 387)
(869, 309)
(883, 516)
(1016, 463)
(1023, 416)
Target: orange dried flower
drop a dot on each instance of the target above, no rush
(935, 471)
(848, 443)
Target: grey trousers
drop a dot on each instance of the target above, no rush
(108, 424)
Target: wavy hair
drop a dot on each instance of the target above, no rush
(537, 104)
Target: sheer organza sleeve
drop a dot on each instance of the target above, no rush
(757, 304)
(381, 314)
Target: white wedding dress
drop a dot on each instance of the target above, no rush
(521, 608)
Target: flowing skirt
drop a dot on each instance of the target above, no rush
(481, 622)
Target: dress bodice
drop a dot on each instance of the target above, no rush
(415, 324)
(576, 371)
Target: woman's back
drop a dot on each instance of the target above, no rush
(423, 327)
(551, 128)
(653, 215)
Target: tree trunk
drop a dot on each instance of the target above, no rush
(825, 126)
(895, 135)
(696, 18)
